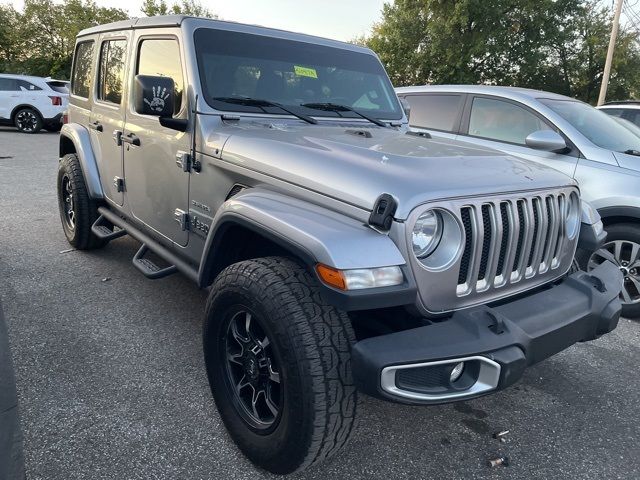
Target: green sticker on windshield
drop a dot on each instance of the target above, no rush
(305, 71)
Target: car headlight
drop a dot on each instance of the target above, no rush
(573, 216)
(427, 233)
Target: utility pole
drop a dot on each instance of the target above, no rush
(612, 44)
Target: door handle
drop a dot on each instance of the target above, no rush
(131, 139)
(97, 126)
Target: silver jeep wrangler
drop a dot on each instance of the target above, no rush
(344, 254)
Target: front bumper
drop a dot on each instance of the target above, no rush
(495, 343)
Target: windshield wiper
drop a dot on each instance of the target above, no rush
(632, 152)
(255, 102)
(334, 107)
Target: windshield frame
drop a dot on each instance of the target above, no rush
(208, 94)
(552, 103)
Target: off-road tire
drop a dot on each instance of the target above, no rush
(34, 126)
(617, 231)
(80, 235)
(312, 341)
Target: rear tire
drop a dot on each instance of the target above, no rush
(308, 349)
(77, 210)
(27, 120)
(622, 247)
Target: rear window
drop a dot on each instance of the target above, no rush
(82, 70)
(59, 86)
(438, 112)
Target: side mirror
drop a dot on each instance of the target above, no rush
(547, 140)
(406, 106)
(154, 96)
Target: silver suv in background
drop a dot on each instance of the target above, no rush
(344, 254)
(557, 131)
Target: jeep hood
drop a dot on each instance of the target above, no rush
(357, 164)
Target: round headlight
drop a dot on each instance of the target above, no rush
(427, 233)
(573, 216)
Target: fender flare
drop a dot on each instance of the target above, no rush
(17, 108)
(620, 211)
(79, 136)
(314, 235)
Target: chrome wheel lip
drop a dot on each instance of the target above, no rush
(625, 254)
(26, 121)
(68, 204)
(252, 372)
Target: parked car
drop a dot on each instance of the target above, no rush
(559, 132)
(277, 169)
(11, 456)
(629, 110)
(32, 103)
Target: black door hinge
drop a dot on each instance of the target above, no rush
(186, 163)
(118, 184)
(182, 218)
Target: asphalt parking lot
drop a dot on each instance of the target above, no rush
(112, 384)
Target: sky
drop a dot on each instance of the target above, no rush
(337, 19)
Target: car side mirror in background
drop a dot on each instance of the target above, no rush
(406, 106)
(547, 140)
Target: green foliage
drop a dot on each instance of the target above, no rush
(152, 8)
(556, 45)
(40, 39)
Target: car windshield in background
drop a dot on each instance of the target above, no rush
(59, 86)
(600, 128)
(291, 73)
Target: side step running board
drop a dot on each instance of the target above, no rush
(148, 268)
(103, 229)
(151, 244)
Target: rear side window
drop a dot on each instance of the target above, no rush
(7, 85)
(27, 86)
(438, 112)
(111, 76)
(502, 121)
(161, 57)
(82, 70)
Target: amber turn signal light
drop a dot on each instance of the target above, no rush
(331, 276)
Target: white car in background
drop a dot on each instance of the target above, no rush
(32, 103)
(627, 110)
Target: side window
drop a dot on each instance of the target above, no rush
(7, 85)
(111, 71)
(502, 121)
(633, 116)
(435, 111)
(614, 112)
(82, 70)
(23, 85)
(161, 57)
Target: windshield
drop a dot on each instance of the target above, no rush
(291, 73)
(600, 128)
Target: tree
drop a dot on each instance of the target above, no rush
(152, 8)
(556, 45)
(43, 35)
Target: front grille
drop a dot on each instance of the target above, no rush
(509, 241)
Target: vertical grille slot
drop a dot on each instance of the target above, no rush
(536, 230)
(486, 244)
(521, 234)
(465, 214)
(506, 231)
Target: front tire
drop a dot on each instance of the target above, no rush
(27, 120)
(77, 210)
(266, 326)
(622, 247)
